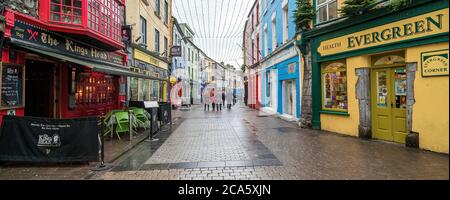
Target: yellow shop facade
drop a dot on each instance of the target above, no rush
(384, 75)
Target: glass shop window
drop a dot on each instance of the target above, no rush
(134, 87)
(90, 89)
(400, 88)
(66, 11)
(144, 93)
(334, 87)
(12, 80)
(155, 89)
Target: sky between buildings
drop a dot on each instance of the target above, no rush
(218, 25)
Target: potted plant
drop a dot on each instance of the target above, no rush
(303, 15)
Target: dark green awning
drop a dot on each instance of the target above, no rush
(111, 70)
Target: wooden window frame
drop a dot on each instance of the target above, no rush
(326, 5)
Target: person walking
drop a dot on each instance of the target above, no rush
(223, 97)
(206, 99)
(219, 102)
(229, 99)
(212, 97)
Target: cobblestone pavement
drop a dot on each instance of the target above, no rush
(242, 144)
(45, 172)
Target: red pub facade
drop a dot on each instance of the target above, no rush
(63, 58)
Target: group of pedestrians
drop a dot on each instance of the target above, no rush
(218, 100)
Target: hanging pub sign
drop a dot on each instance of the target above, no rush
(29, 139)
(435, 63)
(176, 51)
(42, 38)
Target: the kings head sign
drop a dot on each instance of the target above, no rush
(429, 24)
(42, 38)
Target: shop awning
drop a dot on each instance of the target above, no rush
(103, 68)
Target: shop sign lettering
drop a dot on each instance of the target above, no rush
(412, 28)
(279, 57)
(40, 37)
(435, 63)
(142, 56)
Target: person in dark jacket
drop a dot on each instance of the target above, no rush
(212, 97)
(223, 97)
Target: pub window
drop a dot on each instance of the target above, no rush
(12, 80)
(87, 88)
(326, 10)
(66, 11)
(334, 87)
(105, 17)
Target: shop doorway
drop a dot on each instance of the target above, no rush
(39, 89)
(289, 98)
(389, 92)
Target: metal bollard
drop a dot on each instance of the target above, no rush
(102, 166)
(151, 139)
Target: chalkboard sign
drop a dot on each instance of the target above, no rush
(12, 84)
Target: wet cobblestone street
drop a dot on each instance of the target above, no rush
(241, 144)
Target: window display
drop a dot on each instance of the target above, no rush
(400, 88)
(382, 89)
(134, 85)
(94, 89)
(144, 90)
(334, 80)
(106, 17)
(155, 91)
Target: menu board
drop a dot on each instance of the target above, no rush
(12, 79)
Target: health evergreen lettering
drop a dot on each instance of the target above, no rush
(422, 26)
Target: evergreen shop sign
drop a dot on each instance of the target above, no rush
(435, 63)
(412, 28)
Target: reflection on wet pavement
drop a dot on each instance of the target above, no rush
(239, 144)
(202, 143)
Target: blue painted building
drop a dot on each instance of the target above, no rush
(178, 62)
(281, 83)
